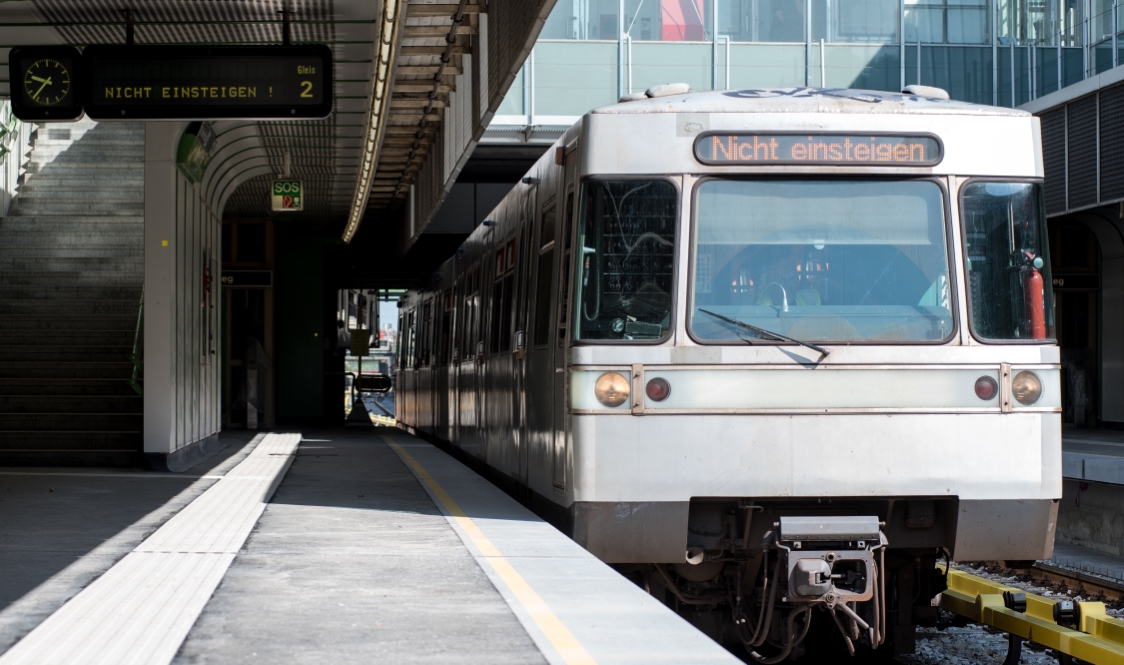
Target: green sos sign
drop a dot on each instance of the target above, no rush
(288, 195)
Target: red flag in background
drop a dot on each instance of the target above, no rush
(682, 20)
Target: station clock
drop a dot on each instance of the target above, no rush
(44, 83)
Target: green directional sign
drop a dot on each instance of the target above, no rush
(288, 195)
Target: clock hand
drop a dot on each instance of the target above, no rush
(45, 84)
(36, 78)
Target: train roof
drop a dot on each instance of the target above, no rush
(805, 100)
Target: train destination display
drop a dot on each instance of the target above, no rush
(818, 149)
(207, 82)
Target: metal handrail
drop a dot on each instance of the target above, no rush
(136, 357)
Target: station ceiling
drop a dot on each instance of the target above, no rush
(397, 64)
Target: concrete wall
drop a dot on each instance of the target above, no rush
(182, 238)
(1095, 519)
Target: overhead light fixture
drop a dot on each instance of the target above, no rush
(393, 17)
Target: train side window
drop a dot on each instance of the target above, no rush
(546, 268)
(410, 339)
(497, 301)
(628, 260)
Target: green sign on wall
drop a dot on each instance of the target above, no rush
(288, 195)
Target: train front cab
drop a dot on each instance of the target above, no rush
(814, 345)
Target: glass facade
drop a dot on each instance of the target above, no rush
(1003, 52)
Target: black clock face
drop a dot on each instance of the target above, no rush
(46, 82)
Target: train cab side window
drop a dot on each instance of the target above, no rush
(1008, 265)
(626, 275)
(567, 254)
(546, 268)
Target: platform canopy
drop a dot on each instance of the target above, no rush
(415, 84)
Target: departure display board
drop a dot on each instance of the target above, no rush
(749, 149)
(206, 82)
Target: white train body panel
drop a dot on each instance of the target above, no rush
(890, 422)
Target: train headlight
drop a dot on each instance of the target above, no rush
(986, 388)
(657, 389)
(611, 389)
(1026, 387)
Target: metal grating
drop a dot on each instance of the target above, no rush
(187, 21)
(1112, 143)
(1053, 152)
(1081, 160)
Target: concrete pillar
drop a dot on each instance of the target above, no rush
(181, 380)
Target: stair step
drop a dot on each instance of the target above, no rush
(47, 440)
(72, 422)
(130, 170)
(93, 182)
(69, 307)
(54, 293)
(45, 206)
(83, 353)
(66, 387)
(68, 370)
(116, 252)
(122, 338)
(70, 194)
(90, 264)
(64, 320)
(92, 220)
(71, 404)
(128, 458)
(70, 278)
(78, 237)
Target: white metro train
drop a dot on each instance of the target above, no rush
(772, 353)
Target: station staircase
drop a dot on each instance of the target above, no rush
(71, 277)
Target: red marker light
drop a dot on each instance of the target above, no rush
(986, 388)
(658, 390)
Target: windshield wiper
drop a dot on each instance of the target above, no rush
(767, 333)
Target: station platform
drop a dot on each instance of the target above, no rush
(336, 547)
(1094, 455)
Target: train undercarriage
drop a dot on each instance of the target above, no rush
(775, 581)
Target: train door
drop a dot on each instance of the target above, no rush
(520, 342)
(500, 369)
(454, 380)
(541, 353)
(424, 373)
(442, 387)
(470, 364)
(561, 424)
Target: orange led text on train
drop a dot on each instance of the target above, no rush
(760, 149)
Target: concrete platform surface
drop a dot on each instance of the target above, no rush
(375, 547)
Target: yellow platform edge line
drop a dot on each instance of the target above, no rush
(1100, 639)
(568, 646)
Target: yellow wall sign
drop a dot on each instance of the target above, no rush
(288, 195)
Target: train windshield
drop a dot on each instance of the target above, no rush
(1007, 261)
(820, 261)
(627, 270)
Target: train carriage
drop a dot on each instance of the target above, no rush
(773, 352)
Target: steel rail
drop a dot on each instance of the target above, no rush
(1094, 636)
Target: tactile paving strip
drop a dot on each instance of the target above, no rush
(142, 608)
